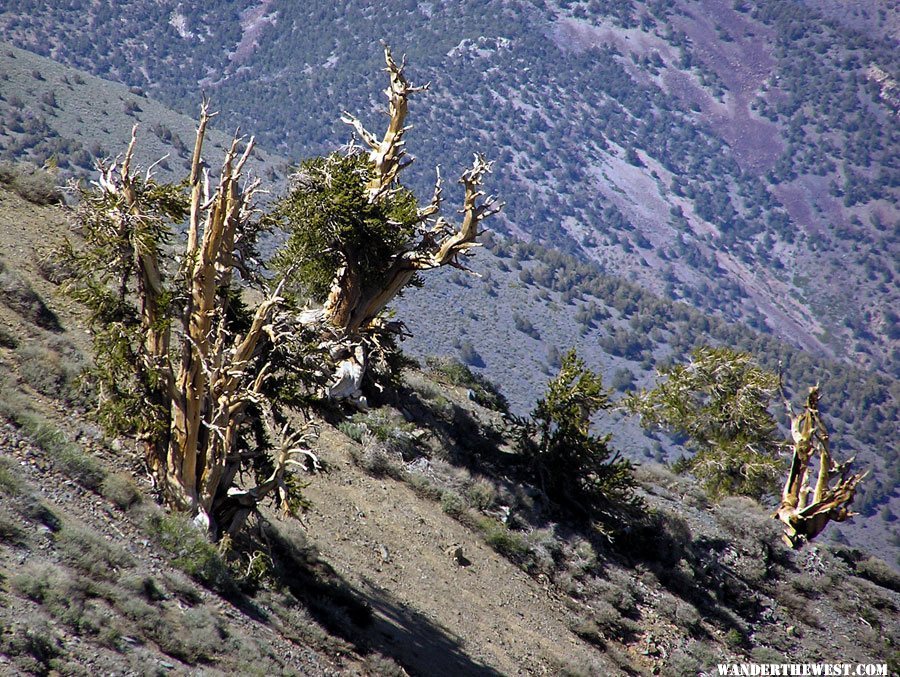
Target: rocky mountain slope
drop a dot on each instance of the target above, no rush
(68, 119)
(423, 550)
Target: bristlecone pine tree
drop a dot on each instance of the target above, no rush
(358, 238)
(180, 360)
(203, 380)
(804, 510)
(719, 400)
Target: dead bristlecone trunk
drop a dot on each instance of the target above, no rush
(350, 318)
(806, 510)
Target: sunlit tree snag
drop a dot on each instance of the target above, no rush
(806, 509)
(182, 362)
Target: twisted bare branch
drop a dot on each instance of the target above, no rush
(387, 155)
(805, 519)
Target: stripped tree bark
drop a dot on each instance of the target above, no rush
(804, 510)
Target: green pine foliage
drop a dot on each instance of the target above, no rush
(104, 279)
(720, 401)
(577, 470)
(331, 220)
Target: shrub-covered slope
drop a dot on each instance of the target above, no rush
(68, 119)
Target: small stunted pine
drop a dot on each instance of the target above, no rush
(575, 469)
(720, 401)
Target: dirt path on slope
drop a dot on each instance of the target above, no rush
(433, 615)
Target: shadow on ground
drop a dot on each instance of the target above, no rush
(370, 620)
(419, 645)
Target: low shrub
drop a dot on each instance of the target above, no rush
(189, 550)
(453, 504)
(13, 404)
(377, 665)
(147, 587)
(611, 622)
(423, 487)
(386, 426)
(10, 482)
(756, 536)
(53, 269)
(618, 590)
(72, 460)
(695, 659)
(33, 645)
(588, 629)
(198, 639)
(18, 296)
(7, 338)
(797, 604)
(658, 479)
(746, 520)
(659, 537)
(120, 490)
(481, 495)
(10, 530)
(69, 456)
(735, 639)
(764, 654)
(681, 613)
(376, 459)
(508, 543)
(90, 554)
(78, 601)
(49, 372)
(483, 391)
(879, 572)
(355, 431)
(33, 582)
(31, 183)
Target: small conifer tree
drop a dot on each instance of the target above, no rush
(576, 469)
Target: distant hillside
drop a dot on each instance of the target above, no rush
(738, 156)
(59, 116)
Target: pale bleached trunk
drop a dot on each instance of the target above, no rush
(806, 511)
